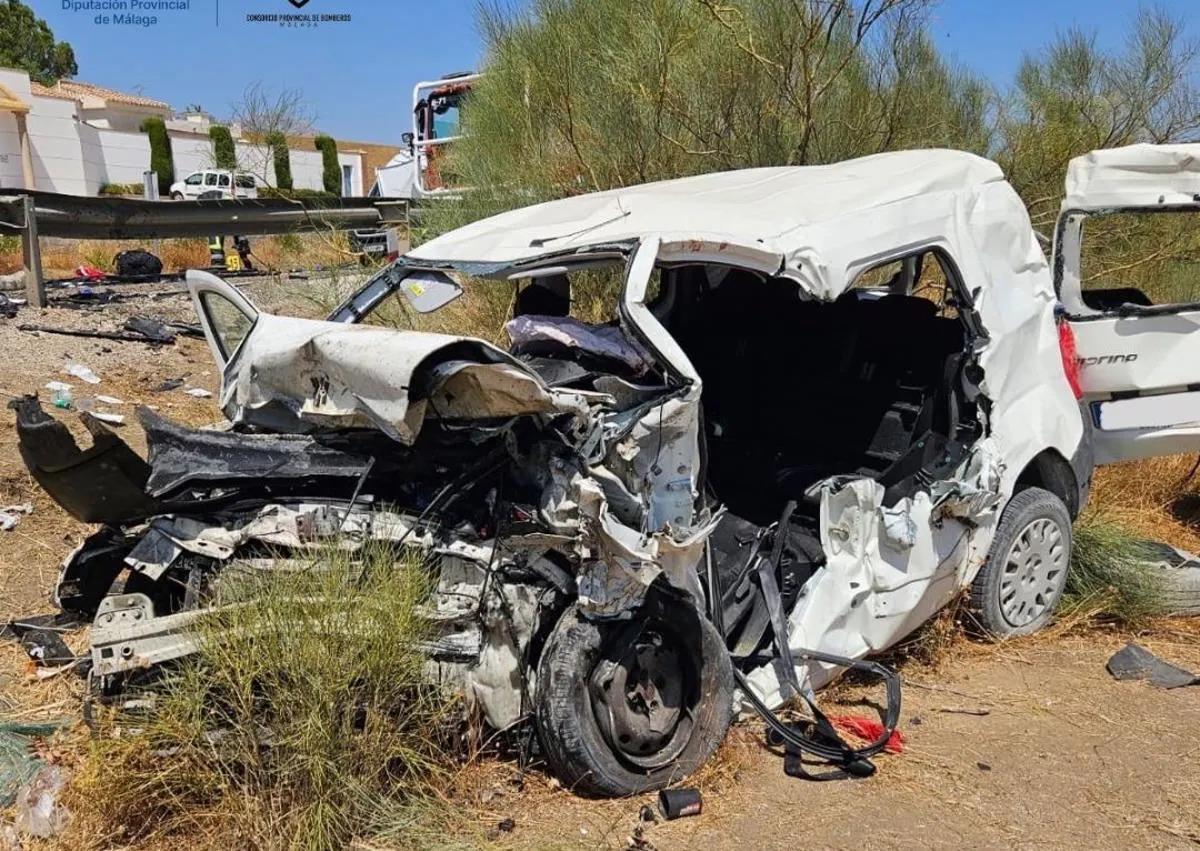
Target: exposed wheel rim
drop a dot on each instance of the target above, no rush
(1034, 572)
(643, 696)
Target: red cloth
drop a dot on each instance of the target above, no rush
(869, 729)
(90, 273)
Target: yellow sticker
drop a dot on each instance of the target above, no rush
(416, 289)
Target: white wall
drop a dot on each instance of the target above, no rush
(123, 157)
(191, 153)
(77, 158)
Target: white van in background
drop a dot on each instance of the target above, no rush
(200, 183)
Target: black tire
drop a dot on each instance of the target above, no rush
(1023, 578)
(579, 729)
(176, 196)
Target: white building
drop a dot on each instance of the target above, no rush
(76, 137)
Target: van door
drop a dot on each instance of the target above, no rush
(227, 318)
(1125, 264)
(192, 185)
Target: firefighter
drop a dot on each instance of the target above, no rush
(216, 252)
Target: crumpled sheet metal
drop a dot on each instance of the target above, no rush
(298, 526)
(802, 222)
(1140, 175)
(887, 571)
(619, 563)
(334, 375)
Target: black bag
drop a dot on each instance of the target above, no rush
(137, 263)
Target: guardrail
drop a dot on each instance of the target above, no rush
(38, 214)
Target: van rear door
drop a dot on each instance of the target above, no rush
(1126, 252)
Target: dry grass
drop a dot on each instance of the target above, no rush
(309, 250)
(307, 722)
(1155, 498)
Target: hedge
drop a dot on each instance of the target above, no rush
(331, 170)
(161, 160)
(224, 151)
(277, 142)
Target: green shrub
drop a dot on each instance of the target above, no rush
(121, 189)
(331, 170)
(307, 721)
(161, 159)
(1107, 575)
(282, 157)
(224, 151)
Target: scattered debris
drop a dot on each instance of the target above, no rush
(188, 329)
(86, 298)
(646, 813)
(60, 394)
(41, 637)
(679, 803)
(46, 647)
(11, 516)
(154, 330)
(1134, 662)
(111, 419)
(81, 371)
(637, 840)
(983, 766)
(869, 729)
(17, 763)
(137, 263)
(89, 273)
(958, 710)
(199, 393)
(168, 385)
(8, 306)
(110, 400)
(39, 810)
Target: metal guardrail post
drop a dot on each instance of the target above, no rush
(31, 252)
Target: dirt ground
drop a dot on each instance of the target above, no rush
(1029, 744)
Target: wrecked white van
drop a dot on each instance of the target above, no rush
(833, 398)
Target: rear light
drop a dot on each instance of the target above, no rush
(1066, 346)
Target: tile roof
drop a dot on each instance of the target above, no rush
(76, 89)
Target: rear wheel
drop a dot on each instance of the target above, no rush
(631, 706)
(1022, 581)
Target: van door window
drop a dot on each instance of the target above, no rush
(1139, 259)
(229, 324)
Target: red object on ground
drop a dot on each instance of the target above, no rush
(90, 273)
(869, 729)
(1066, 345)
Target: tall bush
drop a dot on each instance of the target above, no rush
(161, 159)
(331, 170)
(582, 95)
(282, 157)
(224, 151)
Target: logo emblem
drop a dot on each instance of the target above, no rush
(299, 4)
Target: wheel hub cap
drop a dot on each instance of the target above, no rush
(1033, 572)
(639, 700)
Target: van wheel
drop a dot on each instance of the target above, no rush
(624, 707)
(1022, 581)
(176, 196)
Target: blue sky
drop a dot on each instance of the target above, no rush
(358, 75)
